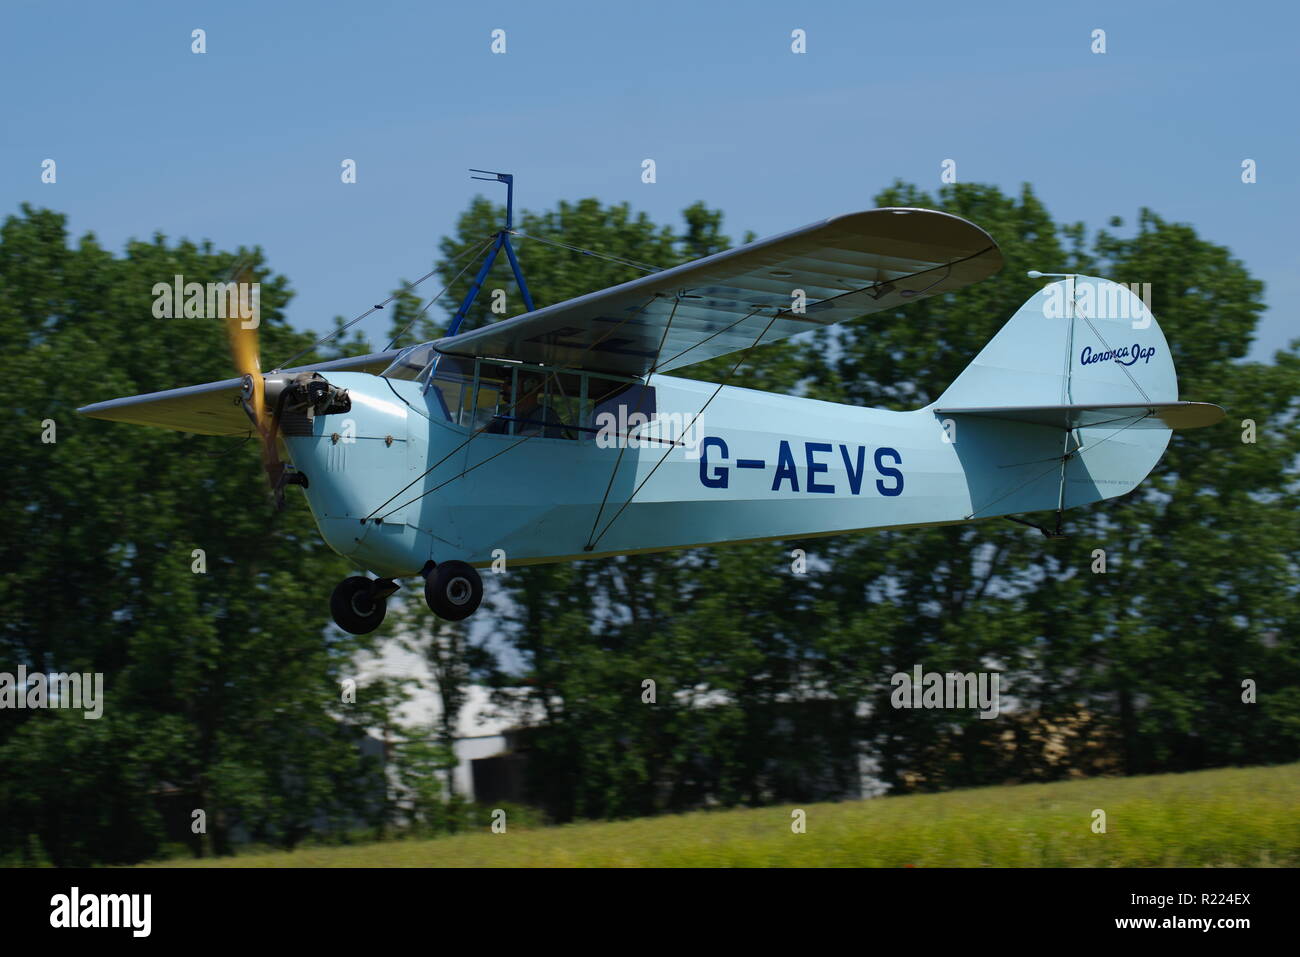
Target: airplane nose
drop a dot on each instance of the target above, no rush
(358, 463)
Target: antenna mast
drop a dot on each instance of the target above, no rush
(502, 241)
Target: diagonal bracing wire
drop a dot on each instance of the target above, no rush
(645, 388)
(591, 544)
(645, 267)
(369, 312)
(476, 250)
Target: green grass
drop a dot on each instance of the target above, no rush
(1243, 817)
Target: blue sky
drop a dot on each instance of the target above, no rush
(243, 144)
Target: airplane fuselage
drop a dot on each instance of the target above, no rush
(395, 485)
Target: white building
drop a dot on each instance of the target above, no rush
(480, 728)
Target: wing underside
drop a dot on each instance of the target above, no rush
(809, 278)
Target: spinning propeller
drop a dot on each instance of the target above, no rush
(248, 363)
(267, 398)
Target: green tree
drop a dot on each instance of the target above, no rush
(222, 687)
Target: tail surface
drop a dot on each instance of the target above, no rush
(1071, 402)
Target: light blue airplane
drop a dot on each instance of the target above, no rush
(557, 435)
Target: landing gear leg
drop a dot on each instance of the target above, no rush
(453, 590)
(358, 604)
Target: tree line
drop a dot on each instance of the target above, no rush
(771, 675)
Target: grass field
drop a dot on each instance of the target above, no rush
(1246, 817)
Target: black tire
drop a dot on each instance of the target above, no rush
(355, 608)
(453, 590)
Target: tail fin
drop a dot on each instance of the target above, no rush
(1080, 341)
(1071, 402)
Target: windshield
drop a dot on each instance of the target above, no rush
(410, 362)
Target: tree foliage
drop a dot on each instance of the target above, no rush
(653, 682)
(222, 688)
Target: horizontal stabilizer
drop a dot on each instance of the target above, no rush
(1158, 415)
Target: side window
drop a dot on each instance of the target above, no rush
(620, 407)
(492, 397)
(569, 409)
(546, 404)
(451, 387)
(530, 401)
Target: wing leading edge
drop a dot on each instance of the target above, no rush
(847, 266)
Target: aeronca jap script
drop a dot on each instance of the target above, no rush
(1124, 355)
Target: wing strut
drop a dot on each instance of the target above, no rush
(591, 544)
(640, 401)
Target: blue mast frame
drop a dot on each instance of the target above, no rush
(502, 241)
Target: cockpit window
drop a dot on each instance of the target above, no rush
(507, 398)
(540, 403)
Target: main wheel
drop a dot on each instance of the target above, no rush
(453, 590)
(355, 608)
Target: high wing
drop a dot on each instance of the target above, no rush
(846, 266)
(213, 408)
